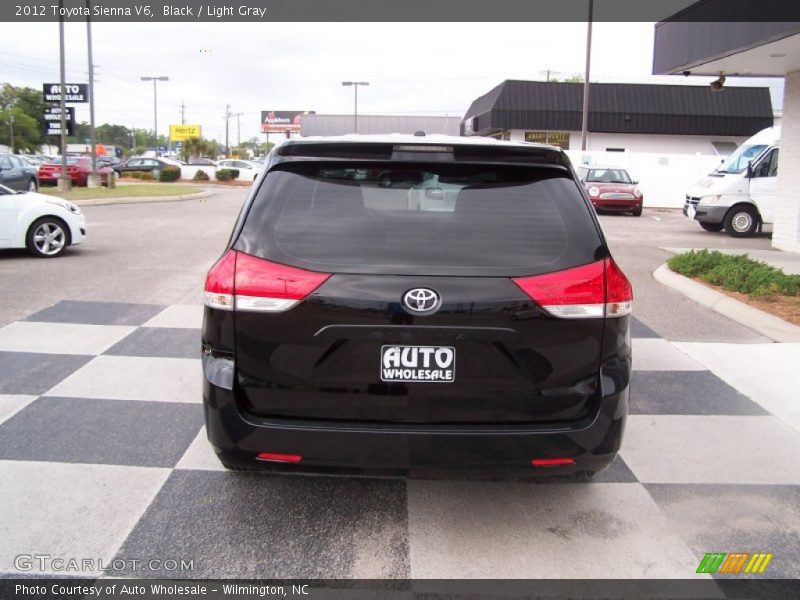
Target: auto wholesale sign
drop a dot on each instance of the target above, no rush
(281, 121)
(75, 92)
(52, 120)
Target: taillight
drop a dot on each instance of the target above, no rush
(589, 291)
(242, 282)
(219, 282)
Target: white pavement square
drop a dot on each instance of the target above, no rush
(135, 378)
(60, 338)
(188, 316)
(12, 404)
(199, 456)
(66, 510)
(711, 449)
(768, 373)
(655, 354)
(463, 529)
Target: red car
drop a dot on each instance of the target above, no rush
(78, 169)
(612, 189)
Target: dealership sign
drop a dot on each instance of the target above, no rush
(183, 132)
(281, 121)
(52, 120)
(75, 92)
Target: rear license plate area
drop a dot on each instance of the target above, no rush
(423, 364)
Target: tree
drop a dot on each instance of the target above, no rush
(27, 107)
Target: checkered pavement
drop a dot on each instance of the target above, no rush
(103, 455)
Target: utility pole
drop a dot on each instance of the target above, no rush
(227, 116)
(183, 109)
(11, 127)
(238, 130)
(585, 116)
(93, 180)
(63, 182)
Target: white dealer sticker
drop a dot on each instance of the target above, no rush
(432, 364)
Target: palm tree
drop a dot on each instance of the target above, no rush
(194, 148)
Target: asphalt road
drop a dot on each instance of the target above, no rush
(159, 253)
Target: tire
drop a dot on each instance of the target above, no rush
(33, 186)
(741, 221)
(637, 212)
(42, 246)
(712, 226)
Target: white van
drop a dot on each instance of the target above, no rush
(740, 195)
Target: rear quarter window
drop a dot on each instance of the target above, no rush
(420, 219)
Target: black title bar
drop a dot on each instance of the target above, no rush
(278, 11)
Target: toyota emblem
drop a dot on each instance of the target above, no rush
(421, 300)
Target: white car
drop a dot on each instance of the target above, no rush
(45, 225)
(248, 170)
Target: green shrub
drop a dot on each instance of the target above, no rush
(227, 174)
(738, 273)
(147, 176)
(169, 174)
(200, 175)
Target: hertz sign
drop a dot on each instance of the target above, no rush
(179, 133)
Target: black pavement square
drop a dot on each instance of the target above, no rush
(687, 393)
(33, 373)
(159, 342)
(736, 518)
(261, 526)
(640, 330)
(114, 432)
(97, 313)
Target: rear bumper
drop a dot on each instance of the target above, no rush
(408, 450)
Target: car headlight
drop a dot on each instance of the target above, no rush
(70, 206)
(593, 191)
(637, 193)
(709, 199)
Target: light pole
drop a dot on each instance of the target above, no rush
(93, 180)
(155, 81)
(64, 181)
(585, 112)
(355, 85)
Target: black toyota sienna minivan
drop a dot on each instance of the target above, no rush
(416, 306)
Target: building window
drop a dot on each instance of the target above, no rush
(554, 138)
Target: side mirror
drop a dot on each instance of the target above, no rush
(635, 182)
(750, 169)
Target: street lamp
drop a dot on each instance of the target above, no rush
(355, 85)
(155, 81)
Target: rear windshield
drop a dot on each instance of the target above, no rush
(420, 219)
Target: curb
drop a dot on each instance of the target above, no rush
(764, 323)
(140, 199)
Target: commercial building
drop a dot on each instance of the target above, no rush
(623, 117)
(378, 124)
(755, 44)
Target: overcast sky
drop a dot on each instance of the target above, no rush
(413, 68)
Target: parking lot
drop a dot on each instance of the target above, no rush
(103, 452)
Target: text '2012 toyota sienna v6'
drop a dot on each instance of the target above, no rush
(412, 305)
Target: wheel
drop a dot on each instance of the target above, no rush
(47, 237)
(637, 212)
(32, 187)
(711, 226)
(741, 221)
